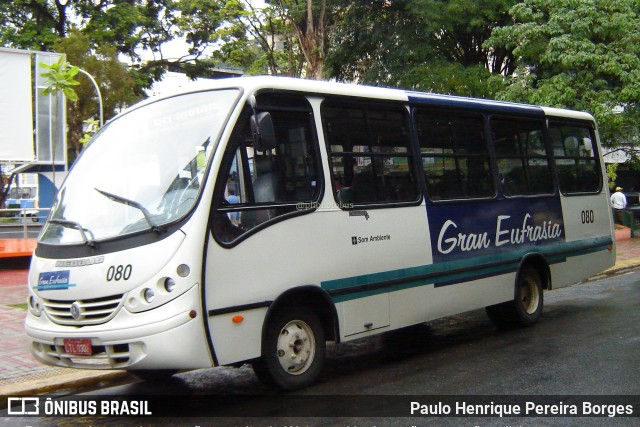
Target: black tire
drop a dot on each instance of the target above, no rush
(154, 375)
(526, 307)
(292, 350)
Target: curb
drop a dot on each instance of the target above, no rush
(618, 268)
(58, 381)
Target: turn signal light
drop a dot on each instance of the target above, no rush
(237, 319)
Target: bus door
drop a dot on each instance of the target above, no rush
(379, 223)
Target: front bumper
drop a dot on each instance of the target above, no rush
(167, 337)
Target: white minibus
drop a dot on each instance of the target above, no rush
(253, 220)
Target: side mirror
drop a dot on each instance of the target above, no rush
(264, 134)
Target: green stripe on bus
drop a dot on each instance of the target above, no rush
(449, 272)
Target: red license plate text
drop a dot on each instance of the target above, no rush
(77, 346)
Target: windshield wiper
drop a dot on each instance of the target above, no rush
(76, 226)
(147, 215)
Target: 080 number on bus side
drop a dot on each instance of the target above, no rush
(587, 216)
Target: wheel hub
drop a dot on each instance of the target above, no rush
(296, 347)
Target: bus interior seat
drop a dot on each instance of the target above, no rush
(265, 186)
(265, 190)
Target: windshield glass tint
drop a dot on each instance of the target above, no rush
(142, 170)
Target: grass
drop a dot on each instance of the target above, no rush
(22, 306)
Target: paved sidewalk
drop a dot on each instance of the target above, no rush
(21, 375)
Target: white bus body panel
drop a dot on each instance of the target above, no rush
(579, 226)
(317, 247)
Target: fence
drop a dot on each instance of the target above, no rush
(22, 222)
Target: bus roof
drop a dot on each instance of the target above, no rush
(485, 105)
(252, 84)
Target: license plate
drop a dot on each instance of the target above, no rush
(77, 346)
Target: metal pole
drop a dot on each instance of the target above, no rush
(97, 90)
(25, 231)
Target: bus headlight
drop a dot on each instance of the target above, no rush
(35, 306)
(169, 284)
(149, 295)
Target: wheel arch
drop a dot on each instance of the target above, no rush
(314, 298)
(541, 265)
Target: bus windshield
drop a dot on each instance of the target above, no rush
(142, 171)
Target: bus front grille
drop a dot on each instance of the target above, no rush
(82, 312)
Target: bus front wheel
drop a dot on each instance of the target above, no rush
(292, 350)
(526, 307)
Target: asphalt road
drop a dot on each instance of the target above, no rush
(587, 343)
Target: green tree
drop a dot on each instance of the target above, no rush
(94, 35)
(235, 32)
(117, 85)
(431, 45)
(311, 21)
(579, 54)
(284, 37)
(127, 26)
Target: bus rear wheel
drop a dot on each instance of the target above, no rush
(526, 307)
(292, 350)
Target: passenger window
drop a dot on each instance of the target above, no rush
(370, 154)
(266, 182)
(454, 154)
(576, 160)
(521, 154)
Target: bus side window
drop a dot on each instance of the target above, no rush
(369, 152)
(521, 154)
(256, 186)
(454, 154)
(576, 159)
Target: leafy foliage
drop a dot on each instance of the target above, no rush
(430, 45)
(581, 54)
(60, 78)
(117, 84)
(575, 54)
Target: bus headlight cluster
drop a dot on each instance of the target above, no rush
(35, 307)
(161, 291)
